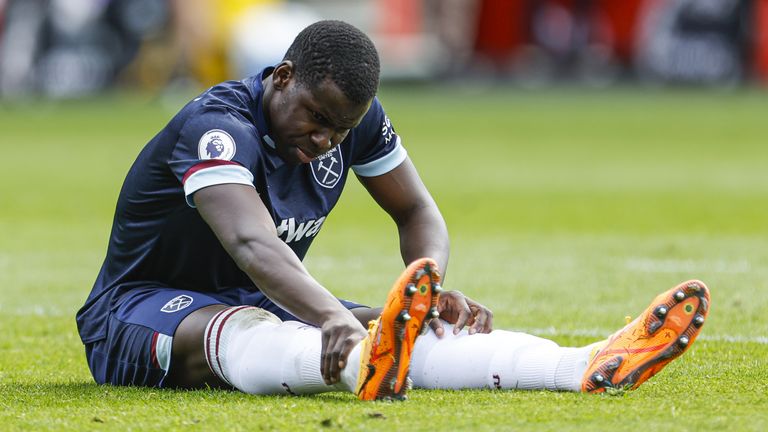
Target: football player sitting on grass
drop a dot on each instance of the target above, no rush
(203, 282)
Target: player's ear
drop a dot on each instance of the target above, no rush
(282, 74)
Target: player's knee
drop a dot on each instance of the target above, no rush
(188, 367)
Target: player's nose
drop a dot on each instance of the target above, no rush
(321, 140)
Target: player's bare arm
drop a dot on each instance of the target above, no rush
(423, 232)
(242, 224)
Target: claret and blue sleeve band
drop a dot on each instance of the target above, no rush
(382, 165)
(208, 174)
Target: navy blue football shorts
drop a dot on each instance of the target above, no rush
(137, 348)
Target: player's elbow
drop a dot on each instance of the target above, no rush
(424, 212)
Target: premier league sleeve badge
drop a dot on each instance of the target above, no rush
(216, 144)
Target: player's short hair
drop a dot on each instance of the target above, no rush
(339, 51)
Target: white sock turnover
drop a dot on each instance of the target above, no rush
(256, 353)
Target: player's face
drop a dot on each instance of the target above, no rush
(306, 123)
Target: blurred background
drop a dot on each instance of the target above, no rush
(585, 155)
(75, 48)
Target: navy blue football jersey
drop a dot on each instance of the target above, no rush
(158, 238)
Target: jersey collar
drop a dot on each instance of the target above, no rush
(274, 161)
(261, 119)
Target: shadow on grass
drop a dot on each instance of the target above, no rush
(52, 394)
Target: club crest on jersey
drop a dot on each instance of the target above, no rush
(177, 303)
(216, 144)
(327, 168)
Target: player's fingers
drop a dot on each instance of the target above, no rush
(437, 327)
(334, 371)
(485, 315)
(325, 358)
(483, 320)
(465, 316)
(343, 345)
(349, 345)
(488, 321)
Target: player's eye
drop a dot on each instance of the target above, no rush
(319, 117)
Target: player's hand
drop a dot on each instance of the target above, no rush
(340, 335)
(459, 310)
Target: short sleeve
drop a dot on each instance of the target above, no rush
(215, 146)
(378, 148)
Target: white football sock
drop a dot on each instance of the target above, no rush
(256, 353)
(501, 360)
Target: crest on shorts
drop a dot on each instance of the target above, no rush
(327, 168)
(216, 144)
(177, 303)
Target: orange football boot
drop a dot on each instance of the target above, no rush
(641, 349)
(386, 354)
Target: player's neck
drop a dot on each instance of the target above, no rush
(266, 99)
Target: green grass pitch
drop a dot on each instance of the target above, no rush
(568, 210)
